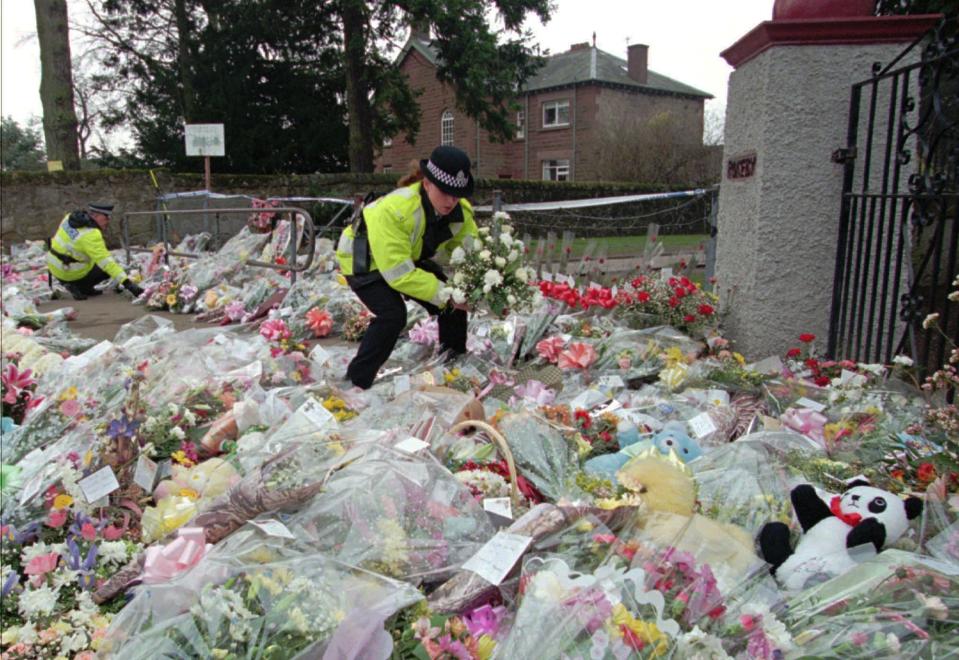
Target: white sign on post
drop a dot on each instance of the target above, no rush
(205, 140)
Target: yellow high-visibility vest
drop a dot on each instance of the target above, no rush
(395, 225)
(83, 248)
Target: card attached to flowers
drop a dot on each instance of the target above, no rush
(496, 559)
(99, 484)
(145, 474)
(273, 527)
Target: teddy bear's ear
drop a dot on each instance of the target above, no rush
(913, 507)
(857, 482)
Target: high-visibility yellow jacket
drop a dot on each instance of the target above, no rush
(395, 225)
(79, 240)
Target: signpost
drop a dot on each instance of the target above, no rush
(205, 140)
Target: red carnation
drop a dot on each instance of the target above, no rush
(806, 337)
(706, 310)
(793, 352)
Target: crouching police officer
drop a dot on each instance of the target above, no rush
(78, 257)
(386, 256)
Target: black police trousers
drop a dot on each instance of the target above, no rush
(388, 322)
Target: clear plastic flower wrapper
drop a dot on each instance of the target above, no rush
(497, 340)
(894, 605)
(543, 456)
(439, 407)
(207, 271)
(300, 607)
(397, 515)
(748, 482)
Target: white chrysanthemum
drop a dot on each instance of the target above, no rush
(458, 256)
(501, 216)
(149, 424)
(485, 255)
(71, 643)
(493, 278)
(518, 245)
(511, 299)
(903, 360)
(484, 231)
(34, 550)
(189, 418)
(506, 239)
(522, 275)
(459, 297)
(37, 602)
(444, 294)
(64, 577)
(513, 255)
(178, 433)
(458, 279)
(174, 409)
(500, 262)
(697, 645)
(113, 552)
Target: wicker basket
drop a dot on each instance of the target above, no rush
(503, 446)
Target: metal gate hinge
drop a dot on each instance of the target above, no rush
(843, 156)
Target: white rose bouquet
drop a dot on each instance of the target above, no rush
(489, 271)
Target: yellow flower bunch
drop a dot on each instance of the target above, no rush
(648, 634)
(337, 406)
(68, 394)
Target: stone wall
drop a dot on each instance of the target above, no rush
(32, 203)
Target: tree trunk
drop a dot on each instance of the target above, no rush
(56, 83)
(357, 87)
(185, 61)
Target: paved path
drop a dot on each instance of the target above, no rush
(100, 317)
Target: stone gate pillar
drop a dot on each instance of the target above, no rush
(779, 201)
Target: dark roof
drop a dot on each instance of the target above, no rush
(579, 66)
(593, 64)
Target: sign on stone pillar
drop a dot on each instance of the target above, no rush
(779, 201)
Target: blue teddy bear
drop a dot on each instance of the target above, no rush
(672, 436)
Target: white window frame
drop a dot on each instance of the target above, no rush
(387, 169)
(555, 108)
(520, 125)
(446, 128)
(387, 142)
(556, 170)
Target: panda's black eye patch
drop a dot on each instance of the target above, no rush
(670, 442)
(877, 505)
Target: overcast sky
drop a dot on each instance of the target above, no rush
(684, 37)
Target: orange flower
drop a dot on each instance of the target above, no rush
(926, 473)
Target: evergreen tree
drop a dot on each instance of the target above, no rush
(21, 147)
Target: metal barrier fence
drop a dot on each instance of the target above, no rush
(295, 214)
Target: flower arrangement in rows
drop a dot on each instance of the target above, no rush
(17, 389)
(289, 361)
(674, 301)
(170, 294)
(490, 272)
(48, 573)
(592, 297)
(356, 323)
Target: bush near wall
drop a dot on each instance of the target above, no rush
(33, 203)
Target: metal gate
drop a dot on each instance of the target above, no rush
(898, 244)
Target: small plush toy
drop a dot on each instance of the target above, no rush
(850, 525)
(672, 436)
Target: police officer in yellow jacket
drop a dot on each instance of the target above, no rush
(78, 257)
(386, 256)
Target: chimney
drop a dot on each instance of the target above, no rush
(420, 30)
(638, 61)
(582, 46)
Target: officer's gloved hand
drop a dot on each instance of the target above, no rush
(133, 288)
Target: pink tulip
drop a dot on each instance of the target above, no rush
(577, 356)
(57, 518)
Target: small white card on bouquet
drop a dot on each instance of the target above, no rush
(702, 425)
(499, 506)
(273, 527)
(99, 484)
(314, 411)
(145, 474)
(810, 404)
(495, 560)
(411, 445)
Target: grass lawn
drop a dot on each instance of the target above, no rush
(629, 246)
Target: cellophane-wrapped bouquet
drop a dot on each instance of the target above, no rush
(490, 272)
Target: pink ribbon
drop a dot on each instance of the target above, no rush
(808, 422)
(536, 392)
(185, 551)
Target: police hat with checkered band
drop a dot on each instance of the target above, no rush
(448, 168)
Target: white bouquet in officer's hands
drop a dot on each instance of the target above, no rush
(489, 271)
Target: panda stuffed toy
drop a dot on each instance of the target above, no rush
(836, 533)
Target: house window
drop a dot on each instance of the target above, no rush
(520, 125)
(388, 142)
(555, 113)
(555, 170)
(387, 169)
(446, 128)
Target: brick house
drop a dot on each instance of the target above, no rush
(578, 100)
